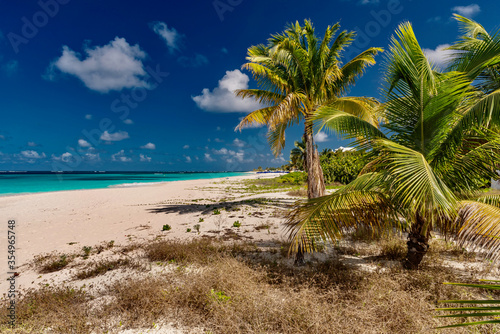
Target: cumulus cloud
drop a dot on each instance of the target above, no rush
(185, 147)
(222, 98)
(188, 159)
(468, 11)
(144, 158)
(65, 157)
(88, 116)
(439, 56)
(208, 158)
(238, 143)
(117, 136)
(171, 37)
(30, 154)
(230, 155)
(114, 66)
(92, 156)
(32, 144)
(320, 137)
(83, 143)
(128, 121)
(120, 156)
(149, 146)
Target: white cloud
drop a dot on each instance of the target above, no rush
(185, 147)
(218, 140)
(144, 158)
(469, 10)
(120, 156)
(88, 116)
(32, 144)
(439, 56)
(222, 98)
(188, 159)
(170, 36)
(66, 157)
(238, 143)
(320, 137)
(128, 121)
(149, 146)
(92, 156)
(208, 157)
(30, 154)
(114, 66)
(230, 155)
(117, 136)
(83, 143)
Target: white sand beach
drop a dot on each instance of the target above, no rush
(66, 221)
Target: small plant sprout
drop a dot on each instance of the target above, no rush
(197, 228)
(237, 224)
(188, 230)
(86, 251)
(201, 220)
(166, 227)
(216, 212)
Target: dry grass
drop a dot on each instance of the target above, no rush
(103, 266)
(235, 288)
(49, 263)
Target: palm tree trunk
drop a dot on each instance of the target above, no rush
(418, 243)
(315, 181)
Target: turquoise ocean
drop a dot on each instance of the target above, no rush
(35, 182)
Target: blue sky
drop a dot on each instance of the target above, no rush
(134, 85)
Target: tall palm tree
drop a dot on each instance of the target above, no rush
(298, 74)
(433, 152)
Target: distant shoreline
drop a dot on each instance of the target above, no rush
(26, 183)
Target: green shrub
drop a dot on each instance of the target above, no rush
(201, 220)
(188, 230)
(166, 227)
(216, 212)
(295, 178)
(343, 166)
(237, 224)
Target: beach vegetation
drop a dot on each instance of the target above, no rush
(188, 230)
(301, 75)
(166, 227)
(224, 288)
(201, 220)
(237, 224)
(216, 212)
(86, 251)
(197, 228)
(433, 153)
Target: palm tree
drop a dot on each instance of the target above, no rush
(298, 74)
(477, 53)
(298, 155)
(438, 151)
